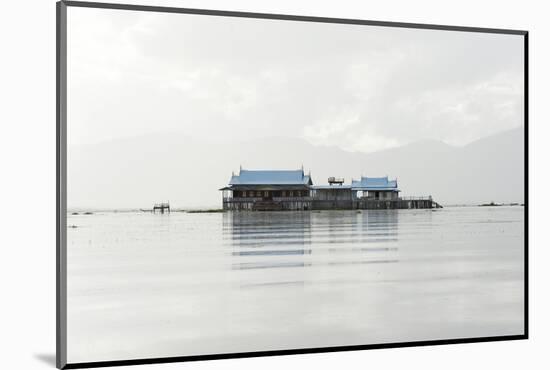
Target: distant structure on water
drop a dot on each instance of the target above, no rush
(161, 207)
(269, 190)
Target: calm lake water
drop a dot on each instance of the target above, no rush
(143, 285)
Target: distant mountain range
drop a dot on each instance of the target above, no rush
(137, 172)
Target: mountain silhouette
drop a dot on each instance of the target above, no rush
(137, 172)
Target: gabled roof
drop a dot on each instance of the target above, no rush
(374, 183)
(270, 177)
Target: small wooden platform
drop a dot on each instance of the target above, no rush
(161, 207)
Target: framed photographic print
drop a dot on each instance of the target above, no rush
(239, 184)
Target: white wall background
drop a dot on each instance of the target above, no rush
(27, 148)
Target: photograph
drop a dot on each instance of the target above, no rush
(248, 184)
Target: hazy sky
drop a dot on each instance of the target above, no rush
(360, 88)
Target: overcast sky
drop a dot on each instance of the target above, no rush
(360, 88)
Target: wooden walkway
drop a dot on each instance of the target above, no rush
(412, 203)
(258, 204)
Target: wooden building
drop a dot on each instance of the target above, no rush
(332, 196)
(375, 188)
(258, 190)
(337, 195)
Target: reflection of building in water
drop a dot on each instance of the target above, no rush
(261, 190)
(381, 226)
(275, 240)
(268, 239)
(360, 229)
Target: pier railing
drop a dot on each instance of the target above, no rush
(238, 200)
(259, 199)
(293, 199)
(427, 197)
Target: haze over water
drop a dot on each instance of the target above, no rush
(144, 285)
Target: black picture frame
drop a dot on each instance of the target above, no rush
(61, 183)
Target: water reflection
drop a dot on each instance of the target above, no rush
(273, 253)
(275, 240)
(255, 281)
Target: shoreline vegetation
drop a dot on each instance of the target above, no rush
(493, 204)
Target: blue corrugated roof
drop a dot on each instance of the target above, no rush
(270, 177)
(374, 183)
